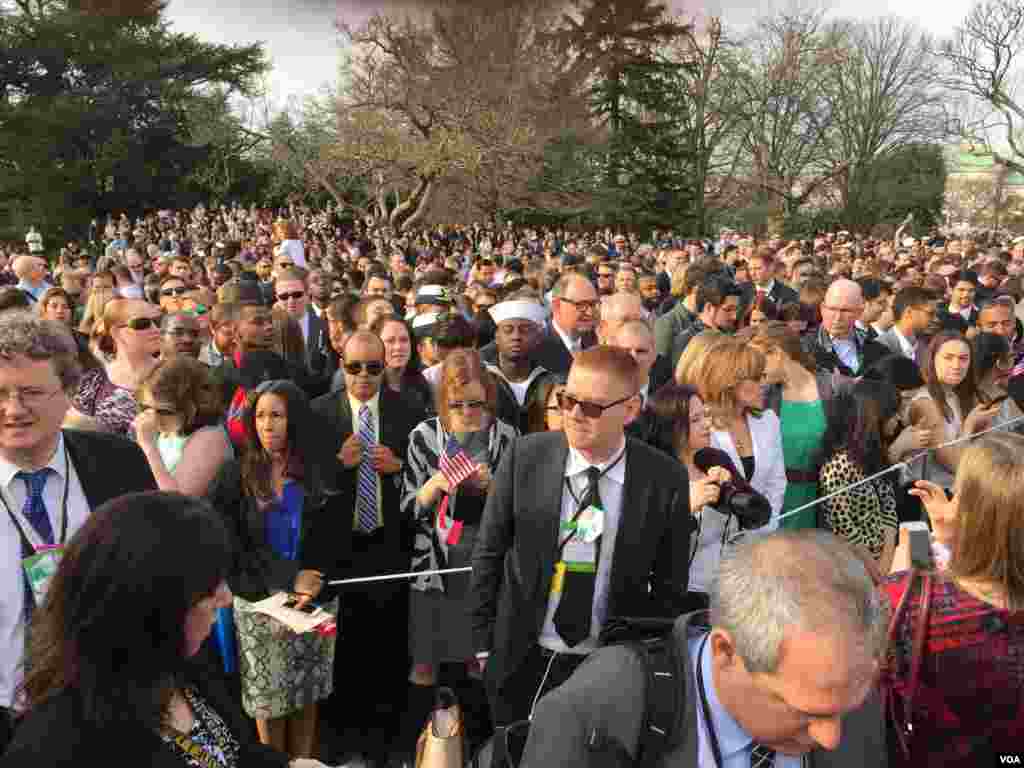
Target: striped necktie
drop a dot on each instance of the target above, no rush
(761, 757)
(366, 493)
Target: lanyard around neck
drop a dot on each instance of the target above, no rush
(716, 750)
(31, 540)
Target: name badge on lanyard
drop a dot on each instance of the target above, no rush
(41, 565)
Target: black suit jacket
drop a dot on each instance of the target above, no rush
(108, 465)
(56, 734)
(325, 540)
(552, 353)
(398, 418)
(514, 558)
(317, 344)
(607, 695)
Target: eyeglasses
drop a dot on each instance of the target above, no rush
(568, 403)
(468, 405)
(142, 323)
(292, 295)
(372, 368)
(181, 291)
(30, 397)
(583, 306)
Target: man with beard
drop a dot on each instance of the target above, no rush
(649, 291)
(179, 336)
(519, 324)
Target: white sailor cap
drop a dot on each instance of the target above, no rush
(518, 309)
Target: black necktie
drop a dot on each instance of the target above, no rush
(572, 617)
(761, 757)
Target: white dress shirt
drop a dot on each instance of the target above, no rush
(907, 347)
(573, 345)
(12, 577)
(610, 486)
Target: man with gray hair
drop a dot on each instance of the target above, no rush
(785, 671)
(50, 479)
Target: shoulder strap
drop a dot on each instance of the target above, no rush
(663, 697)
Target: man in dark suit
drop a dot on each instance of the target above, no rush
(787, 671)
(292, 295)
(368, 428)
(575, 309)
(762, 267)
(50, 480)
(559, 551)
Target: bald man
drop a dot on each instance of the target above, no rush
(839, 345)
(31, 274)
(621, 309)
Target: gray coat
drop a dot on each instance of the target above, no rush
(606, 694)
(829, 384)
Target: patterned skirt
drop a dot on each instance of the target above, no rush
(281, 672)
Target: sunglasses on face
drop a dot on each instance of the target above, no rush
(568, 403)
(372, 368)
(180, 291)
(142, 323)
(288, 296)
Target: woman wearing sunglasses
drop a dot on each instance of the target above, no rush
(129, 334)
(446, 515)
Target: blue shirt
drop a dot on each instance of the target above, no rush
(734, 742)
(284, 522)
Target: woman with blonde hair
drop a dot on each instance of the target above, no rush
(729, 382)
(100, 294)
(693, 356)
(129, 336)
(966, 701)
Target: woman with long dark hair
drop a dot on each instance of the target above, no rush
(112, 676)
(278, 502)
(861, 425)
(949, 405)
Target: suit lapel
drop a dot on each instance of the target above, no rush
(387, 425)
(550, 477)
(85, 469)
(632, 524)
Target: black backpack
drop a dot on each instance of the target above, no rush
(657, 643)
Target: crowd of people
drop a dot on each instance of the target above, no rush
(204, 408)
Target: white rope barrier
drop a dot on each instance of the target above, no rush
(810, 505)
(901, 465)
(397, 576)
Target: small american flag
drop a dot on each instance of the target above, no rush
(454, 464)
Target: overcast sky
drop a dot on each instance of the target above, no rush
(303, 44)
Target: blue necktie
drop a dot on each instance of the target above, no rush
(35, 508)
(366, 494)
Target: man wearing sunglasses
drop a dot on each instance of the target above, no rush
(560, 551)
(368, 427)
(292, 293)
